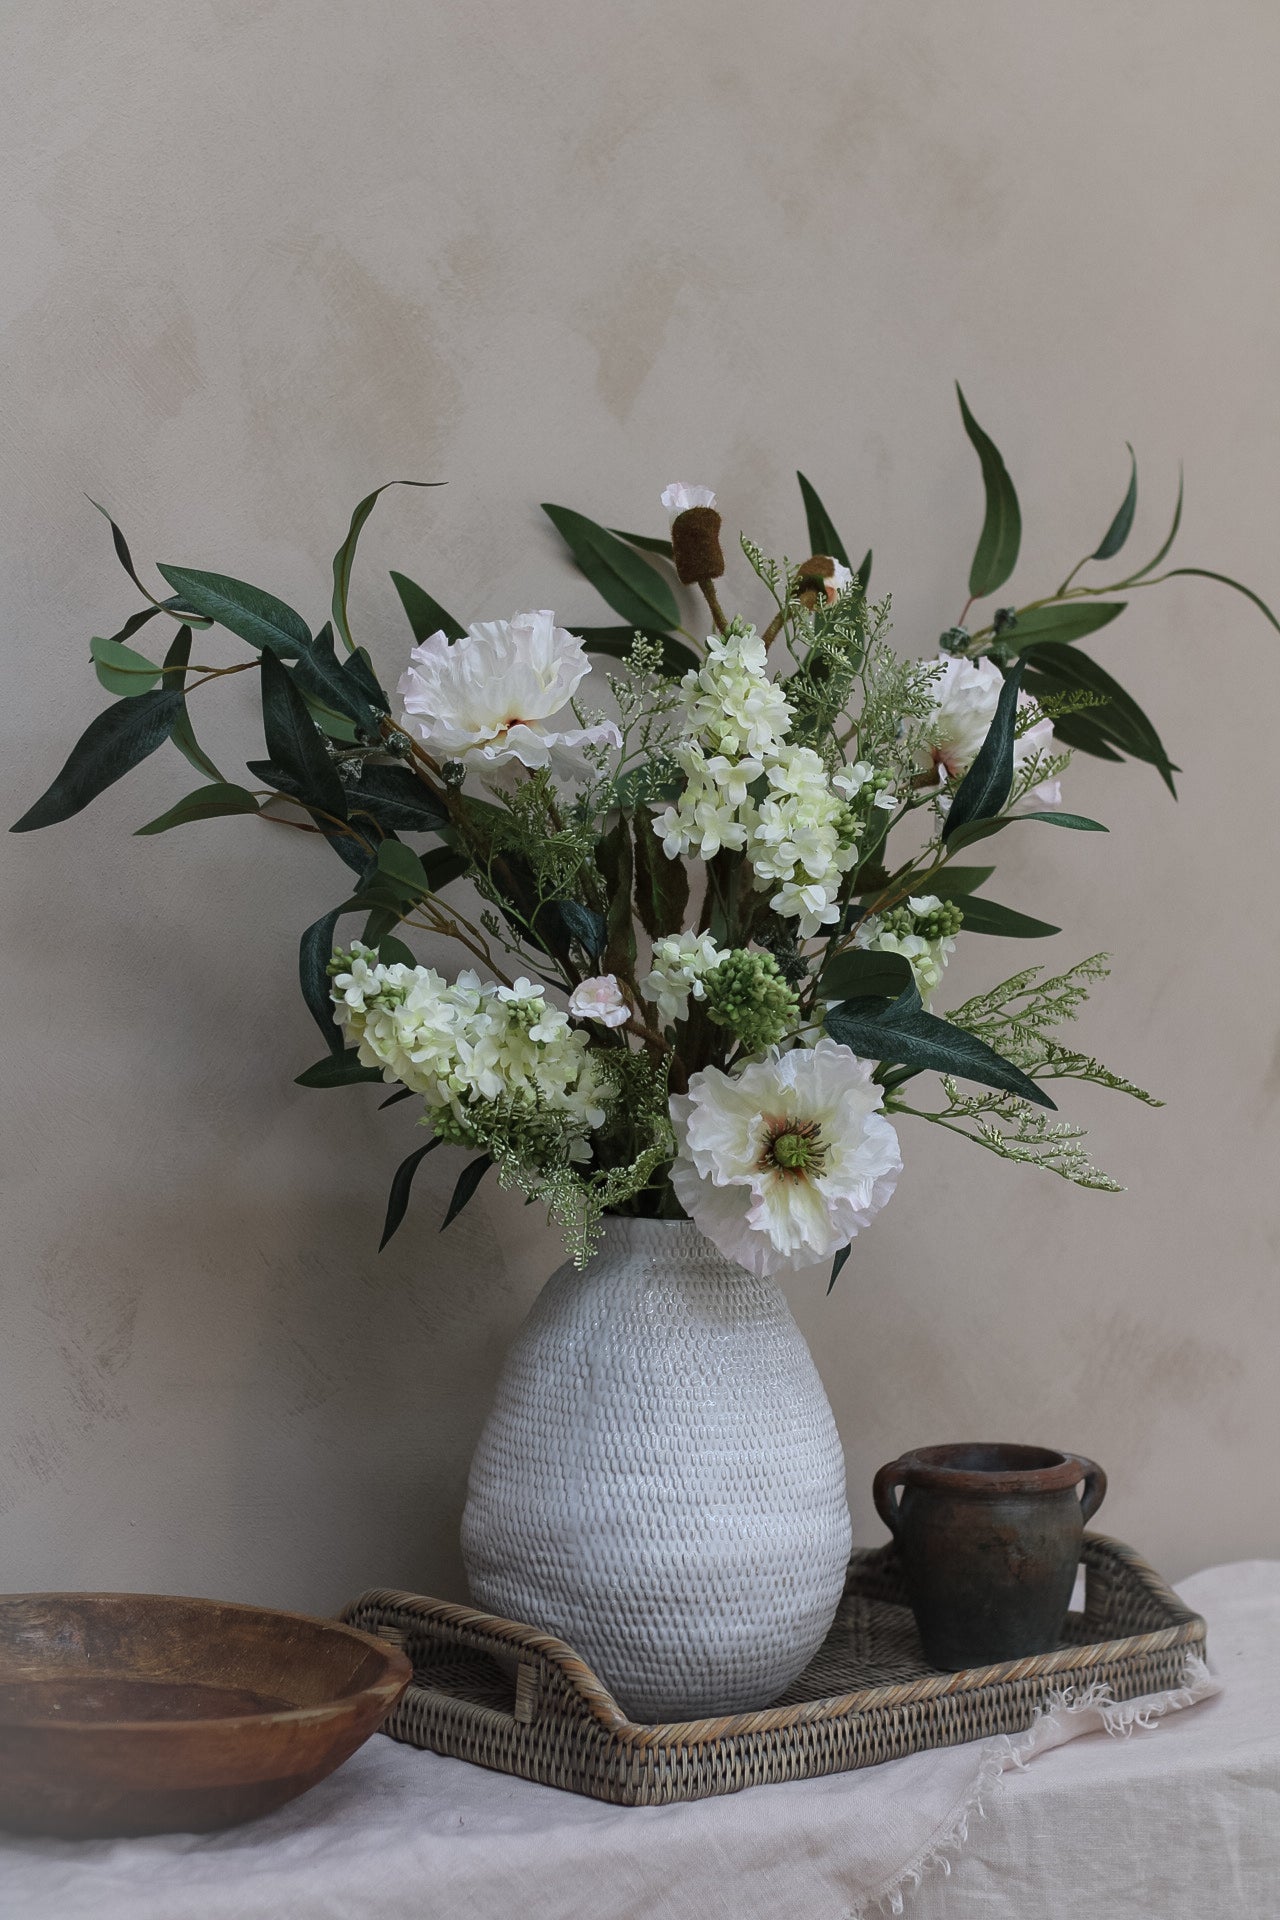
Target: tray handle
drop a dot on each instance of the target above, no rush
(884, 1493)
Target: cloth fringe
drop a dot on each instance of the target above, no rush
(1117, 1718)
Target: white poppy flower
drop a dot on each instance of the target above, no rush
(781, 1163)
(600, 998)
(965, 694)
(680, 496)
(496, 695)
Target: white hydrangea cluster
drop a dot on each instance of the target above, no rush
(468, 1040)
(681, 963)
(798, 837)
(927, 958)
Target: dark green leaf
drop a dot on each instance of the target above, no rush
(633, 588)
(1225, 580)
(468, 1180)
(953, 883)
(902, 1033)
(400, 868)
(823, 537)
(1069, 620)
(315, 950)
(987, 916)
(986, 786)
(1121, 720)
(126, 561)
(294, 744)
(247, 611)
(836, 1265)
(120, 669)
(344, 558)
(109, 746)
(862, 975)
(1001, 536)
(1151, 565)
(183, 736)
(863, 575)
(982, 829)
(342, 1070)
(393, 952)
(1083, 735)
(441, 865)
(583, 924)
(426, 616)
(614, 859)
(401, 1093)
(398, 1198)
(662, 886)
(206, 803)
(647, 542)
(137, 620)
(359, 670)
(616, 642)
(1118, 532)
(398, 801)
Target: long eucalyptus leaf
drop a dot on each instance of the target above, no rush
(397, 800)
(1118, 532)
(986, 786)
(294, 744)
(996, 554)
(633, 588)
(402, 1181)
(823, 537)
(176, 662)
(109, 747)
(877, 1031)
(647, 542)
(344, 558)
(982, 829)
(988, 916)
(246, 611)
(343, 1070)
(206, 803)
(1068, 620)
(426, 616)
(1066, 669)
(1172, 535)
(1225, 580)
(863, 975)
(468, 1180)
(315, 950)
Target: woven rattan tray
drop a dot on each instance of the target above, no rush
(522, 1702)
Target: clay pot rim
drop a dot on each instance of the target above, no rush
(1047, 1470)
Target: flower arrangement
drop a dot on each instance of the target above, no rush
(698, 982)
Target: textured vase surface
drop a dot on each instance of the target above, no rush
(660, 1481)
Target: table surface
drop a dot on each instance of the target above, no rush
(1182, 1821)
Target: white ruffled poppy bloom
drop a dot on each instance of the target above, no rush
(600, 998)
(680, 496)
(500, 694)
(783, 1162)
(965, 694)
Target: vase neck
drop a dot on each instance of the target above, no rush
(674, 1242)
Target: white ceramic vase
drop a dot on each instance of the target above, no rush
(660, 1481)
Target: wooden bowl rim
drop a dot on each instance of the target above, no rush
(397, 1670)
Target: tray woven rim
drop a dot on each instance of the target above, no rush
(1187, 1629)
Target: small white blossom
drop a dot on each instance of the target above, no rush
(783, 1162)
(501, 694)
(680, 496)
(731, 705)
(681, 963)
(927, 958)
(600, 998)
(798, 840)
(852, 779)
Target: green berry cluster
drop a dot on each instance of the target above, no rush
(942, 922)
(748, 994)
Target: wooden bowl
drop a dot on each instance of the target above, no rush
(127, 1713)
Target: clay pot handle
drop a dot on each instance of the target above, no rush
(883, 1493)
(1095, 1487)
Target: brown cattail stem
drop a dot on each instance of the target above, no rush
(712, 599)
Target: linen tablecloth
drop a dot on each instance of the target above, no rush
(1178, 1820)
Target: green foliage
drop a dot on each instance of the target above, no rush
(985, 788)
(997, 550)
(900, 1032)
(1122, 525)
(109, 747)
(747, 994)
(426, 616)
(344, 558)
(206, 803)
(633, 588)
(823, 537)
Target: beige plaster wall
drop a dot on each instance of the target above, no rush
(262, 254)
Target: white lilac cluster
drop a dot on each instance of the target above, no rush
(681, 963)
(965, 694)
(798, 835)
(468, 1041)
(926, 956)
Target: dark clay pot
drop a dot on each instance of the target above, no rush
(989, 1538)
